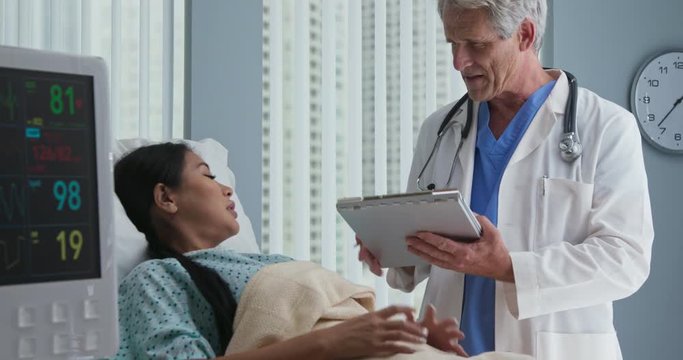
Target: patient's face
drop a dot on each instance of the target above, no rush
(204, 205)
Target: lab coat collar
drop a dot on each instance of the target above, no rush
(545, 119)
(466, 157)
(557, 100)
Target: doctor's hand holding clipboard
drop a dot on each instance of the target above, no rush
(487, 256)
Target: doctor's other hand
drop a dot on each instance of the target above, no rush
(378, 333)
(444, 334)
(367, 257)
(487, 256)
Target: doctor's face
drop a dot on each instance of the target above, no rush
(485, 61)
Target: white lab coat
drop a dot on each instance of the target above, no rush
(579, 234)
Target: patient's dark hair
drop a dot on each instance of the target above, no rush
(135, 177)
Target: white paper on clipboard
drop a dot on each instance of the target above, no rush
(383, 222)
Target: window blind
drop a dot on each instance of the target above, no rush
(346, 85)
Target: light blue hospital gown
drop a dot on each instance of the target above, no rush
(162, 314)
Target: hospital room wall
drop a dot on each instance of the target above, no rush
(224, 90)
(603, 43)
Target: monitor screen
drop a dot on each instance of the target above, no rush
(49, 227)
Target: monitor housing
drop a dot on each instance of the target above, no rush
(57, 271)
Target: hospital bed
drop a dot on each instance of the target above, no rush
(131, 250)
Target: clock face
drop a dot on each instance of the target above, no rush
(657, 101)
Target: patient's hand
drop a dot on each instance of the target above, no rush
(374, 334)
(443, 334)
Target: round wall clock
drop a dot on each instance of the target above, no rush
(656, 101)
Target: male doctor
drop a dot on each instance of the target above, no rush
(562, 239)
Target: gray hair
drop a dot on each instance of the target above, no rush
(507, 15)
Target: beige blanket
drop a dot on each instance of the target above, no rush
(289, 299)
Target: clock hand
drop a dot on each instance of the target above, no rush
(672, 109)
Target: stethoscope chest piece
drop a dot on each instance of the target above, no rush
(570, 147)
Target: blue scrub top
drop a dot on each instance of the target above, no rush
(491, 158)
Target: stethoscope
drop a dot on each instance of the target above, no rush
(570, 146)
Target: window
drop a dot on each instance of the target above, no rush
(142, 43)
(349, 129)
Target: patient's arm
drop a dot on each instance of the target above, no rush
(372, 334)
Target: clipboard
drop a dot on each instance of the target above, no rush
(384, 221)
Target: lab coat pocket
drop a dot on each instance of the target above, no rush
(558, 346)
(563, 211)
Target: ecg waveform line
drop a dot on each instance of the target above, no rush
(10, 262)
(8, 101)
(15, 199)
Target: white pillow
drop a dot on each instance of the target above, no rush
(131, 246)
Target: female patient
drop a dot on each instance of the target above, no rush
(183, 303)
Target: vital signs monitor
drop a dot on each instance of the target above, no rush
(57, 280)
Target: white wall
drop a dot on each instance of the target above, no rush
(603, 43)
(223, 95)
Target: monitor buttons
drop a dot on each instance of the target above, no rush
(26, 317)
(27, 348)
(60, 344)
(60, 313)
(92, 339)
(90, 309)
